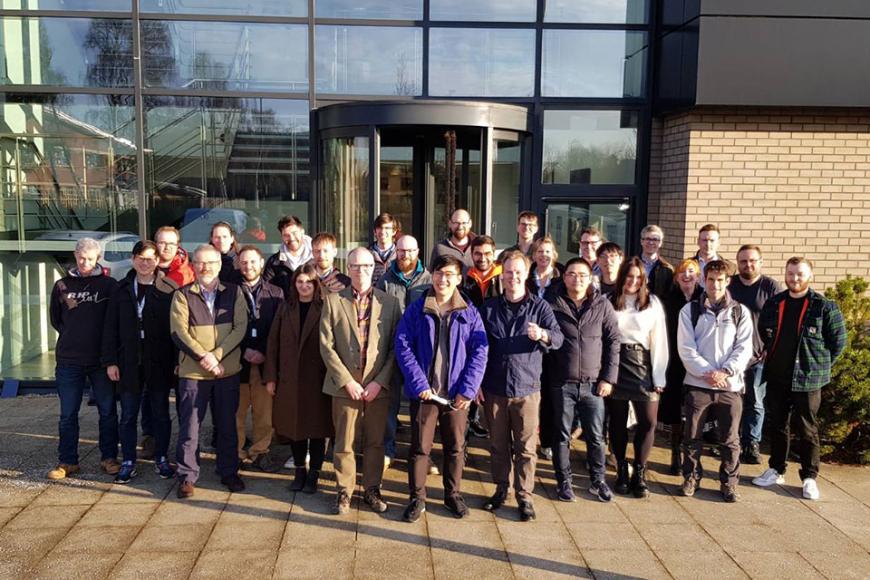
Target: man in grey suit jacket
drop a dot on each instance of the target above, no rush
(356, 342)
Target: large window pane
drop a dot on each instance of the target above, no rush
(565, 221)
(258, 8)
(114, 5)
(381, 9)
(598, 11)
(484, 10)
(590, 146)
(345, 196)
(593, 63)
(481, 62)
(244, 161)
(80, 52)
(225, 56)
(67, 171)
(353, 60)
(506, 168)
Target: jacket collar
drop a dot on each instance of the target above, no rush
(457, 303)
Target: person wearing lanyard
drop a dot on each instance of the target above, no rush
(139, 357)
(263, 301)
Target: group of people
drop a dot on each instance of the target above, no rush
(512, 346)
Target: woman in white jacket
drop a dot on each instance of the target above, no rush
(643, 362)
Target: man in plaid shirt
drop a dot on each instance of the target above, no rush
(803, 334)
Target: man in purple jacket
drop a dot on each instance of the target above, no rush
(441, 349)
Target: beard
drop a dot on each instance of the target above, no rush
(798, 287)
(748, 275)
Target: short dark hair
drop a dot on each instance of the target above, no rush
(482, 240)
(383, 219)
(797, 260)
(578, 260)
(609, 248)
(709, 228)
(288, 220)
(592, 231)
(529, 215)
(249, 248)
(142, 245)
(746, 247)
(717, 267)
(324, 237)
(445, 260)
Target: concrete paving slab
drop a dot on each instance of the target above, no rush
(32, 543)
(840, 566)
(661, 510)
(7, 514)
(318, 533)
(393, 560)
(606, 536)
(85, 565)
(738, 539)
(16, 565)
(775, 565)
(154, 566)
(243, 537)
(16, 493)
(254, 512)
(535, 537)
(97, 540)
(153, 491)
(716, 513)
(62, 516)
(820, 536)
(177, 538)
(713, 564)
(309, 563)
(474, 535)
(486, 563)
(391, 530)
(587, 508)
(61, 494)
(235, 564)
(113, 514)
(190, 511)
(621, 565)
(683, 537)
(566, 564)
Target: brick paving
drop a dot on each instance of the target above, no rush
(86, 527)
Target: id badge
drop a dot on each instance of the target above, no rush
(253, 333)
(142, 333)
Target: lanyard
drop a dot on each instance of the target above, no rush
(140, 306)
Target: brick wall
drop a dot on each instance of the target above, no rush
(795, 181)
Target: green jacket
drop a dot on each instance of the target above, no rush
(822, 338)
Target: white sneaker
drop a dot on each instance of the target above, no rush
(290, 464)
(768, 478)
(811, 489)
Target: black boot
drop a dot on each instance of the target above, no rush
(299, 479)
(676, 465)
(311, 481)
(621, 478)
(638, 481)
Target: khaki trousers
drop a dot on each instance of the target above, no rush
(513, 437)
(253, 395)
(372, 419)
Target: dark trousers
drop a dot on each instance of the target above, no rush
(157, 401)
(71, 381)
(547, 426)
(452, 424)
(578, 399)
(393, 421)
(644, 432)
(753, 405)
(147, 414)
(314, 447)
(700, 405)
(783, 406)
(130, 400)
(194, 397)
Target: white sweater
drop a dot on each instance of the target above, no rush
(647, 328)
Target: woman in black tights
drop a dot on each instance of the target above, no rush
(643, 360)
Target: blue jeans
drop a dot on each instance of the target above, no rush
(393, 421)
(753, 405)
(130, 402)
(71, 381)
(582, 399)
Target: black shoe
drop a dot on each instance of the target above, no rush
(311, 481)
(496, 501)
(233, 482)
(456, 505)
(299, 479)
(415, 509)
(265, 464)
(621, 485)
(675, 461)
(638, 481)
(374, 500)
(478, 430)
(751, 454)
(527, 510)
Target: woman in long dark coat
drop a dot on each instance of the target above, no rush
(294, 374)
(684, 290)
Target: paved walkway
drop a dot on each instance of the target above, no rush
(85, 527)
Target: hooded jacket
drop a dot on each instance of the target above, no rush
(416, 342)
(180, 271)
(406, 290)
(77, 309)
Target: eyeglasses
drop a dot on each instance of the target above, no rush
(358, 267)
(210, 263)
(650, 239)
(461, 223)
(590, 242)
(446, 275)
(146, 259)
(528, 224)
(576, 275)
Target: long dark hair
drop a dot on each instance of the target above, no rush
(618, 297)
(234, 247)
(310, 271)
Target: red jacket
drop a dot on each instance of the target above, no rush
(180, 271)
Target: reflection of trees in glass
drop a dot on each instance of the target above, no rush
(110, 42)
(611, 162)
(406, 84)
(158, 54)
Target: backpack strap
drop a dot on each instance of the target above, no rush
(696, 312)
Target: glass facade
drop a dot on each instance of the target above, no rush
(221, 123)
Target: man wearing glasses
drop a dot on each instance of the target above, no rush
(590, 241)
(659, 272)
(384, 246)
(356, 338)
(172, 258)
(458, 243)
(208, 321)
(407, 280)
(527, 229)
(441, 349)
